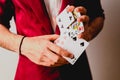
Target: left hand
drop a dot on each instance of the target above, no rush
(83, 18)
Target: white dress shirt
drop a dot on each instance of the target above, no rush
(53, 7)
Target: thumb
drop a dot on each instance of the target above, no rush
(51, 37)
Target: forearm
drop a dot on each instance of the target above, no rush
(9, 40)
(93, 29)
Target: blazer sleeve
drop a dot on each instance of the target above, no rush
(94, 8)
(6, 12)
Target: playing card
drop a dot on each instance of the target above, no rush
(75, 29)
(77, 26)
(61, 41)
(69, 30)
(76, 47)
(64, 19)
(76, 14)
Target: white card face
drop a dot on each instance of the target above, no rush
(76, 47)
(77, 27)
(64, 19)
(69, 30)
(76, 14)
(61, 41)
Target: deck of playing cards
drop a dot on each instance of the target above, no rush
(69, 29)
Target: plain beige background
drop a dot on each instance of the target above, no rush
(103, 52)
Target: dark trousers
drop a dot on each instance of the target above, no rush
(79, 71)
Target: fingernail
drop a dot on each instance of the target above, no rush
(71, 56)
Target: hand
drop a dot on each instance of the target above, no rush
(83, 18)
(42, 51)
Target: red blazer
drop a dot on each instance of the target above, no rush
(32, 19)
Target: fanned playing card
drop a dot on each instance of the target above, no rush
(69, 29)
(64, 19)
(76, 47)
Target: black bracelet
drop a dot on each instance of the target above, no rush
(21, 44)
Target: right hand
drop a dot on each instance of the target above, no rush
(42, 51)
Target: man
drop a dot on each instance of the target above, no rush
(40, 58)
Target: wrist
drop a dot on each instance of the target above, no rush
(21, 42)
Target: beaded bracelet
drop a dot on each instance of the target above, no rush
(21, 44)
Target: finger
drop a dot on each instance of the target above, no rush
(81, 9)
(54, 57)
(60, 62)
(70, 8)
(57, 60)
(46, 61)
(83, 18)
(45, 64)
(58, 50)
(50, 37)
(79, 35)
